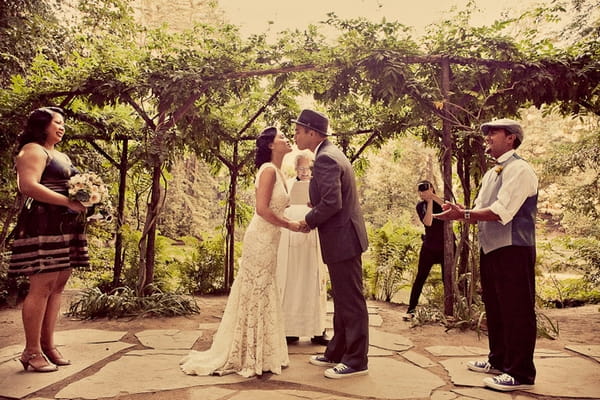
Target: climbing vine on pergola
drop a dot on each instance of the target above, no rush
(177, 89)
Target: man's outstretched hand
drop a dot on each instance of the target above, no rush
(451, 212)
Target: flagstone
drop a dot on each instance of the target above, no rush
(168, 338)
(560, 374)
(460, 375)
(209, 393)
(146, 371)
(87, 336)
(522, 397)
(590, 350)
(307, 394)
(443, 395)
(457, 351)
(482, 394)
(372, 309)
(209, 326)
(387, 378)
(567, 377)
(418, 359)
(375, 320)
(550, 353)
(274, 395)
(379, 352)
(10, 352)
(389, 341)
(15, 382)
(452, 351)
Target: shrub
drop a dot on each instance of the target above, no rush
(123, 302)
(394, 250)
(568, 292)
(12, 290)
(203, 274)
(130, 273)
(588, 249)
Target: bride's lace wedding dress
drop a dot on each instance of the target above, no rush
(251, 337)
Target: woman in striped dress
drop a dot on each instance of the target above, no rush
(49, 239)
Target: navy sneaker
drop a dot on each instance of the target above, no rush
(321, 361)
(505, 383)
(484, 367)
(343, 371)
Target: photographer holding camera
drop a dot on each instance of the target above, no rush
(432, 249)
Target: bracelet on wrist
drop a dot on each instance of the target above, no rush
(467, 215)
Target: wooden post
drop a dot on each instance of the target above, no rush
(230, 218)
(448, 269)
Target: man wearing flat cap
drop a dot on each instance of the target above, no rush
(337, 215)
(505, 211)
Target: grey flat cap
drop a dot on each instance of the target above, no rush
(510, 125)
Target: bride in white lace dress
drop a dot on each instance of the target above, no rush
(251, 338)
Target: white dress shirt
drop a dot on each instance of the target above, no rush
(518, 183)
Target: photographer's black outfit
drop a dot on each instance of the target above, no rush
(432, 252)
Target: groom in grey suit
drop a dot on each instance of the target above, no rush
(337, 215)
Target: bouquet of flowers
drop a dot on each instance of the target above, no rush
(90, 190)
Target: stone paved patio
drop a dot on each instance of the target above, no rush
(396, 370)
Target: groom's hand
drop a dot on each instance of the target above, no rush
(304, 227)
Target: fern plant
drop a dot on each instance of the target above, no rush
(123, 302)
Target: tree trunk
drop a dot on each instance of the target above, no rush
(118, 261)
(465, 269)
(230, 238)
(148, 240)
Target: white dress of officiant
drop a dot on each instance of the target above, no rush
(301, 273)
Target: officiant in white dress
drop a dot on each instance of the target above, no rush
(301, 273)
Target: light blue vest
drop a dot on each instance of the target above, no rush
(520, 231)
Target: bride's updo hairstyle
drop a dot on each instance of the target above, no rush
(35, 128)
(263, 152)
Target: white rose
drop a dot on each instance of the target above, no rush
(95, 197)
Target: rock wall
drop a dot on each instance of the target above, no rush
(178, 15)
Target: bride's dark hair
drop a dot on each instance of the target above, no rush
(263, 152)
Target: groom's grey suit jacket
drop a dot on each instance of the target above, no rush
(336, 210)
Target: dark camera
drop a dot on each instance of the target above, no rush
(423, 186)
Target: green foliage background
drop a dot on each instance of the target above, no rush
(189, 103)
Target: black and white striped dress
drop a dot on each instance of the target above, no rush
(48, 237)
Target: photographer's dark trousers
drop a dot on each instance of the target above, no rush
(508, 284)
(427, 257)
